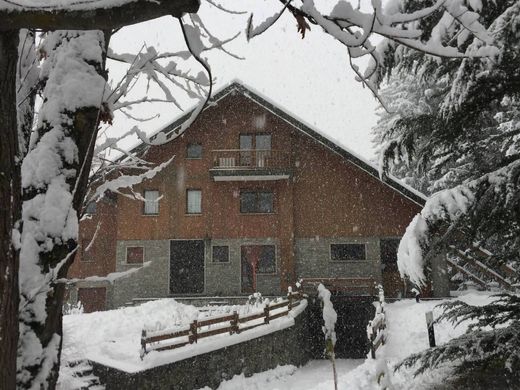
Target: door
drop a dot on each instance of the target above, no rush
(187, 266)
(249, 259)
(392, 282)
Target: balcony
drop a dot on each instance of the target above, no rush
(250, 164)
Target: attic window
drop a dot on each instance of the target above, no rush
(194, 151)
(347, 252)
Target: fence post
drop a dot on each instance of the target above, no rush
(266, 315)
(289, 307)
(143, 343)
(234, 323)
(193, 330)
(370, 336)
(429, 324)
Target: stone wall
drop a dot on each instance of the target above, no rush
(149, 282)
(221, 279)
(313, 258)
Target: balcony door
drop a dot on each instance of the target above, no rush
(255, 150)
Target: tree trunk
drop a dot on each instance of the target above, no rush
(80, 129)
(10, 206)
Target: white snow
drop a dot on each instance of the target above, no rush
(113, 337)
(329, 314)
(407, 334)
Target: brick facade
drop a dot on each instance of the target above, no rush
(322, 195)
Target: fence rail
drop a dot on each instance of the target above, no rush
(229, 323)
(376, 329)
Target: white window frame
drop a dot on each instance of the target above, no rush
(151, 206)
(188, 209)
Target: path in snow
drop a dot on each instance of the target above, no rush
(316, 375)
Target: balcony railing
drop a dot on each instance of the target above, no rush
(250, 159)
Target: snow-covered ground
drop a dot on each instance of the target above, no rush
(115, 336)
(406, 334)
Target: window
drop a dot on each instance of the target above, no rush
(194, 151)
(220, 254)
(347, 252)
(87, 251)
(151, 202)
(256, 202)
(255, 150)
(134, 255)
(91, 208)
(194, 201)
(255, 141)
(259, 259)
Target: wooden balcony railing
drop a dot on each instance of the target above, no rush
(246, 159)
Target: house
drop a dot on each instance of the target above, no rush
(253, 200)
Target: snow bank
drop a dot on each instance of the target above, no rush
(113, 338)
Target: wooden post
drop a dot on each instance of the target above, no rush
(234, 323)
(193, 331)
(143, 343)
(372, 349)
(429, 324)
(266, 315)
(289, 306)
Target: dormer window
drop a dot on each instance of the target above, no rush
(194, 151)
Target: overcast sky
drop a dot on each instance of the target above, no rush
(307, 77)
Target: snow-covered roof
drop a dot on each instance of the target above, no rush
(238, 86)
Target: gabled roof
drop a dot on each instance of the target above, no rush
(238, 87)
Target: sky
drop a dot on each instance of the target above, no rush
(308, 77)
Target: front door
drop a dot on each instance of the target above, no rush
(392, 282)
(250, 255)
(186, 267)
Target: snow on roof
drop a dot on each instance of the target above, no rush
(336, 146)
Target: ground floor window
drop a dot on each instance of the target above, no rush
(134, 255)
(347, 252)
(220, 254)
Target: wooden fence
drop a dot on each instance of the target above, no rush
(376, 329)
(230, 323)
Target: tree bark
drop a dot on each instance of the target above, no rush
(87, 17)
(82, 132)
(10, 207)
